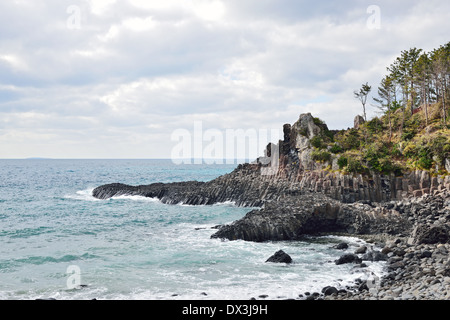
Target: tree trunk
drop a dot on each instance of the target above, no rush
(426, 105)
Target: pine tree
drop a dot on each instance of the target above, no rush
(385, 93)
(362, 96)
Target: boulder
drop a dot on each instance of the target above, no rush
(424, 234)
(358, 121)
(374, 256)
(341, 246)
(361, 250)
(280, 257)
(329, 290)
(348, 258)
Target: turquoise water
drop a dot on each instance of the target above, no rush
(57, 241)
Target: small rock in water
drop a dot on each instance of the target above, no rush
(341, 246)
(361, 249)
(280, 257)
(348, 258)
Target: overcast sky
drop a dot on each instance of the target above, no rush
(115, 79)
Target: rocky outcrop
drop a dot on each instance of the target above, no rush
(358, 121)
(295, 172)
(292, 218)
(301, 198)
(245, 186)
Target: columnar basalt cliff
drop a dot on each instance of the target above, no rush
(302, 196)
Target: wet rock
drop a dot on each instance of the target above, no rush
(329, 290)
(374, 256)
(361, 250)
(348, 258)
(341, 246)
(280, 257)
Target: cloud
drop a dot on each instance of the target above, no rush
(115, 78)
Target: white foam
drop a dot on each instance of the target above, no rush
(85, 195)
(218, 204)
(135, 198)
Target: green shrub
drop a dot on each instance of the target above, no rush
(440, 148)
(425, 158)
(348, 139)
(317, 142)
(355, 166)
(374, 126)
(321, 155)
(304, 132)
(336, 149)
(342, 162)
(408, 135)
(318, 121)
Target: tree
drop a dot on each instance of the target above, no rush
(398, 76)
(441, 73)
(409, 59)
(386, 92)
(362, 96)
(422, 74)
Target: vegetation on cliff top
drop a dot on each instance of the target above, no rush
(413, 129)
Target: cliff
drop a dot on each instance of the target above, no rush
(303, 195)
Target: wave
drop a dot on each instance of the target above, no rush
(85, 195)
(218, 204)
(135, 198)
(26, 232)
(37, 260)
(8, 265)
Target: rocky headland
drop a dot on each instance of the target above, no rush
(408, 214)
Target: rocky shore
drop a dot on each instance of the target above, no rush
(408, 216)
(418, 265)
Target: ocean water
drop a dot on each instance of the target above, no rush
(57, 241)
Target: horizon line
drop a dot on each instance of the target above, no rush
(112, 158)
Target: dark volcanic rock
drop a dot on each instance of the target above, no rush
(292, 218)
(341, 246)
(348, 258)
(433, 234)
(374, 256)
(281, 257)
(244, 186)
(329, 290)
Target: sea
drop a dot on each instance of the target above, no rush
(59, 242)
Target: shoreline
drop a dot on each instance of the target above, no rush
(304, 197)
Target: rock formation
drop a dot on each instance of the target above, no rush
(280, 257)
(300, 197)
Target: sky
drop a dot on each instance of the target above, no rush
(133, 78)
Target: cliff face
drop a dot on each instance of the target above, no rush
(297, 166)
